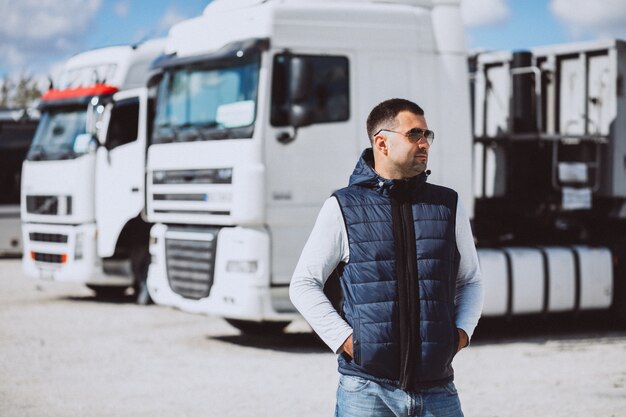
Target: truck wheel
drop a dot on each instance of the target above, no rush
(139, 263)
(107, 292)
(258, 328)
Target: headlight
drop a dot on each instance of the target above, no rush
(224, 176)
(246, 267)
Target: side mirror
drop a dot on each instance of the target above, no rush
(300, 82)
(85, 142)
(293, 78)
(300, 79)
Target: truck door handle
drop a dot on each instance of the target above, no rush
(134, 190)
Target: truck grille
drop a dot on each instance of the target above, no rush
(47, 237)
(193, 176)
(190, 266)
(48, 257)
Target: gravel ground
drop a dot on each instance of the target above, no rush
(65, 353)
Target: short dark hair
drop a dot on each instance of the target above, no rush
(384, 114)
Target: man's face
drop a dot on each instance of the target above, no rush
(406, 159)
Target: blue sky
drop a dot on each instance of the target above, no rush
(519, 24)
(529, 23)
(134, 20)
(37, 35)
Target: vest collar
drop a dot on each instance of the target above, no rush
(364, 175)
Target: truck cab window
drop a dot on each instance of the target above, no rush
(208, 100)
(328, 97)
(57, 132)
(124, 123)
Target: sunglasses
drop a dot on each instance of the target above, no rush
(414, 135)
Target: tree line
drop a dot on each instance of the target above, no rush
(18, 92)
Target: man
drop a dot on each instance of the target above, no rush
(405, 257)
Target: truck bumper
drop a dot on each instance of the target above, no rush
(65, 253)
(235, 282)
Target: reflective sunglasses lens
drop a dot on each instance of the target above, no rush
(415, 135)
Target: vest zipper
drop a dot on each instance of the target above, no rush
(408, 291)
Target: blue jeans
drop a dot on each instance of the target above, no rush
(358, 397)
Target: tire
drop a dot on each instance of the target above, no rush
(139, 263)
(107, 292)
(258, 328)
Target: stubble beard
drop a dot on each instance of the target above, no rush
(419, 166)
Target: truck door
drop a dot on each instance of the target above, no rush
(120, 166)
(302, 172)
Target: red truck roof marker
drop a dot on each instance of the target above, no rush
(93, 90)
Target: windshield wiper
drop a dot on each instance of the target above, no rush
(196, 129)
(164, 138)
(37, 153)
(209, 125)
(67, 154)
(205, 131)
(189, 132)
(221, 132)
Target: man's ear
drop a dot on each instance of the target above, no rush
(380, 144)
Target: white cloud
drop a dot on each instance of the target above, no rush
(41, 19)
(122, 8)
(484, 12)
(598, 18)
(10, 55)
(42, 29)
(171, 17)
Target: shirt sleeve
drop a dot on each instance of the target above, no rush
(469, 288)
(326, 247)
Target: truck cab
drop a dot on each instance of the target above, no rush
(260, 116)
(83, 177)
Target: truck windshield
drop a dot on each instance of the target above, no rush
(207, 102)
(61, 134)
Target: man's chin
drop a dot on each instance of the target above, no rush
(419, 168)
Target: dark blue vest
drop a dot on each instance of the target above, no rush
(399, 284)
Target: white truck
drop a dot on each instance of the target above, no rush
(17, 127)
(84, 176)
(550, 177)
(261, 108)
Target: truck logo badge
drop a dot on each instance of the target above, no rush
(281, 195)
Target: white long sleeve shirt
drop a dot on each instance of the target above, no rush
(327, 246)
